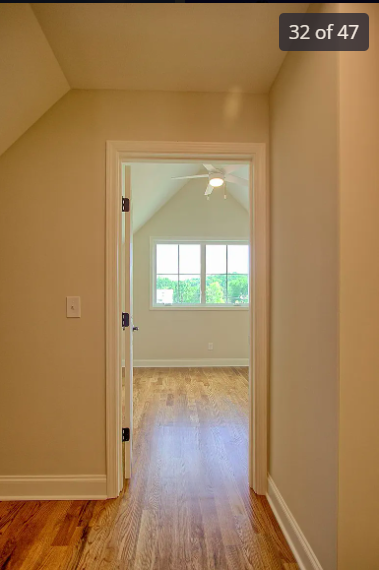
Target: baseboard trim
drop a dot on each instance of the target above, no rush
(52, 487)
(302, 551)
(198, 363)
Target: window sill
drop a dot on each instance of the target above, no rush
(199, 308)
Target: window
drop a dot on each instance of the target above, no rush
(200, 273)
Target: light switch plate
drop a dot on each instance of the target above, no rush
(73, 307)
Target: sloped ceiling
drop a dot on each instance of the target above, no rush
(48, 48)
(153, 187)
(31, 79)
(240, 193)
(167, 46)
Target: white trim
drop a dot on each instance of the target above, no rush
(199, 307)
(302, 551)
(191, 363)
(203, 276)
(259, 321)
(113, 371)
(198, 239)
(52, 487)
(119, 152)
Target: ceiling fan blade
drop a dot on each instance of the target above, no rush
(209, 190)
(236, 180)
(185, 177)
(231, 168)
(210, 168)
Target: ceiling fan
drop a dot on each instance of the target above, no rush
(217, 177)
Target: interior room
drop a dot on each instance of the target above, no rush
(164, 403)
(212, 327)
(191, 336)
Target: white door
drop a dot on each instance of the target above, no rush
(127, 408)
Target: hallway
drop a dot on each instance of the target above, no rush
(188, 505)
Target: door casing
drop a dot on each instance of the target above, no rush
(119, 152)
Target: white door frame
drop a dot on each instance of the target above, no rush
(119, 152)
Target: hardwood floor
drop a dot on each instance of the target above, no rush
(188, 505)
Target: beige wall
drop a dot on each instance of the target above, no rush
(52, 244)
(358, 537)
(304, 325)
(184, 335)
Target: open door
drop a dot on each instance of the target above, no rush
(127, 407)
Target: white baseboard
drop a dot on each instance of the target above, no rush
(52, 487)
(302, 551)
(198, 363)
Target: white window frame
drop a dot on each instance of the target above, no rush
(154, 241)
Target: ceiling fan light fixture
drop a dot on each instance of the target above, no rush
(216, 180)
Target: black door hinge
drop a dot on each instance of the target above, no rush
(125, 320)
(125, 205)
(125, 434)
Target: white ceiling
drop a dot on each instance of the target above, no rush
(166, 46)
(153, 187)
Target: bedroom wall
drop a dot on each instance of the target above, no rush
(184, 335)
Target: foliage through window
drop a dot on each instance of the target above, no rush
(201, 273)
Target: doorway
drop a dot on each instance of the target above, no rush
(119, 154)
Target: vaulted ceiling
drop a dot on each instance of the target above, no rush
(46, 49)
(153, 186)
(31, 79)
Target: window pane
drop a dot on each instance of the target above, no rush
(238, 289)
(167, 258)
(238, 259)
(167, 289)
(216, 259)
(180, 270)
(189, 259)
(189, 289)
(216, 289)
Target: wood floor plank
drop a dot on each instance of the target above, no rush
(25, 529)
(188, 505)
(40, 554)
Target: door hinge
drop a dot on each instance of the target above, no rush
(125, 434)
(125, 320)
(125, 204)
